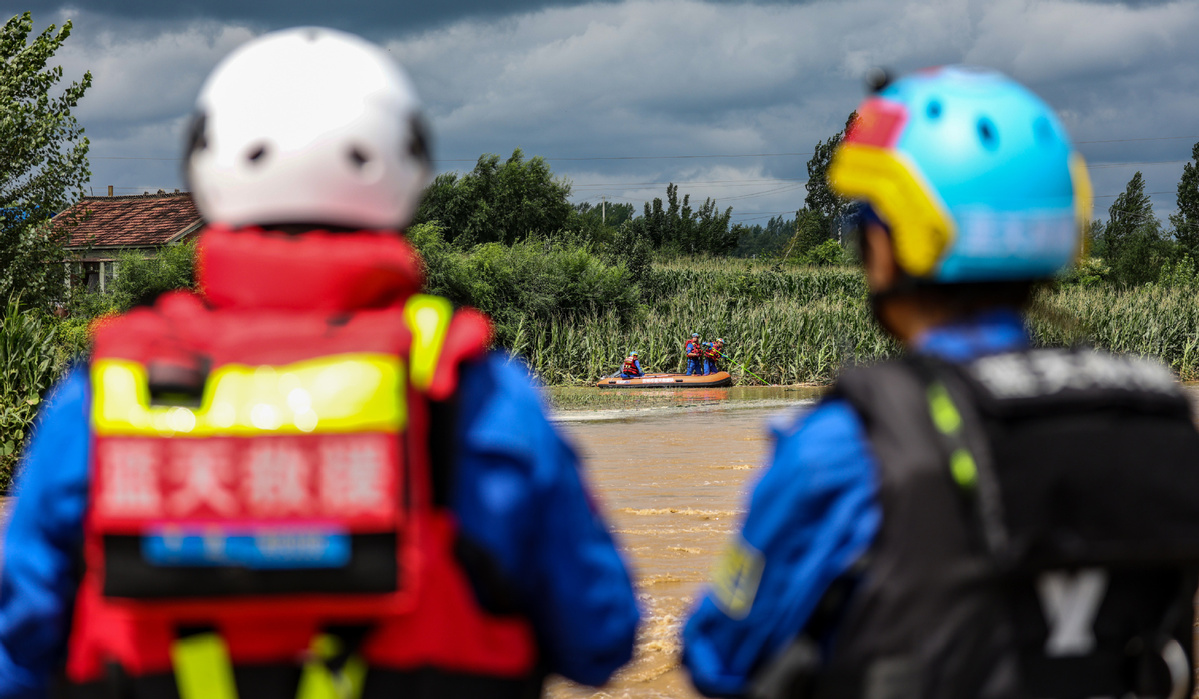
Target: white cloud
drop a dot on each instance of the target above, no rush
(663, 77)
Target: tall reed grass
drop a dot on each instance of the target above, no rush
(1149, 320)
(802, 325)
(784, 326)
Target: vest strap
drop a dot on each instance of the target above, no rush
(428, 317)
(324, 677)
(202, 667)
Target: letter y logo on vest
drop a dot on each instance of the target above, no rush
(1070, 602)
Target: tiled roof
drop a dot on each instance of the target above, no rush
(136, 221)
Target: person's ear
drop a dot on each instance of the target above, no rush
(878, 259)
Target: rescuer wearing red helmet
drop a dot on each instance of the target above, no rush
(309, 480)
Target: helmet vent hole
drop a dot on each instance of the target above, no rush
(358, 157)
(418, 145)
(1043, 131)
(934, 110)
(196, 138)
(988, 134)
(257, 154)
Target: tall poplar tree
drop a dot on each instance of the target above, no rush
(1132, 240)
(821, 199)
(43, 157)
(1186, 221)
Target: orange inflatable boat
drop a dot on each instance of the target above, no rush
(720, 378)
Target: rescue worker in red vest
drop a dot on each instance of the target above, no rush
(714, 356)
(631, 369)
(980, 518)
(309, 480)
(694, 351)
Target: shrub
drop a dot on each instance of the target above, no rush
(535, 278)
(141, 279)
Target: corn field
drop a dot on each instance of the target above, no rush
(801, 325)
(784, 326)
(1150, 320)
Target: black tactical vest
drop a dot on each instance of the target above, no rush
(1040, 534)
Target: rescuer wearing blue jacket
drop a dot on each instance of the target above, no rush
(538, 550)
(972, 192)
(694, 352)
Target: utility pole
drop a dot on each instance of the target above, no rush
(604, 209)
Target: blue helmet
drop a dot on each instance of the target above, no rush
(973, 174)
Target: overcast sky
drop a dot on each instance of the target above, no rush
(605, 89)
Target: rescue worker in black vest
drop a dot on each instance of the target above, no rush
(311, 481)
(979, 518)
(631, 369)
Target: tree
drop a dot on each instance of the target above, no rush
(808, 234)
(1132, 242)
(678, 228)
(770, 239)
(43, 158)
(496, 202)
(821, 199)
(611, 214)
(1186, 221)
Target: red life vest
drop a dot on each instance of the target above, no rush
(629, 367)
(261, 470)
(692, 348)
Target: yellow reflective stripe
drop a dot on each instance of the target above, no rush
(428, 317)
(337, 393)
(202, 667)
(318, 682)
(921, 228)
(963, 468)
(736, 577)
(944, 413)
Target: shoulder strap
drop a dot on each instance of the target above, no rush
(441, 341)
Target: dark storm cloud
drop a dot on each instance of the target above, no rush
(671, 77)
(364, 17)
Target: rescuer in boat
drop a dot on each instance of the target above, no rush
(715, 356)
(631, 369)
(707, 357)
(695, 355)
(310, 480)
(979, 518)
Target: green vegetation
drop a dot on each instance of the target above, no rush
(43, 159)
(28, 366)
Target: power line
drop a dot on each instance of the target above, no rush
(1129, 140)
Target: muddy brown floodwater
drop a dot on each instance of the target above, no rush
(673, 480)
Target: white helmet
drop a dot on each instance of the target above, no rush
(308, 126)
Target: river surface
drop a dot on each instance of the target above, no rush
(673, 472)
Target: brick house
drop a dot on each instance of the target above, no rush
(101, 227)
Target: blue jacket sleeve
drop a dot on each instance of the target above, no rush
(42, 544)
(812, 515)
(517, 493)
